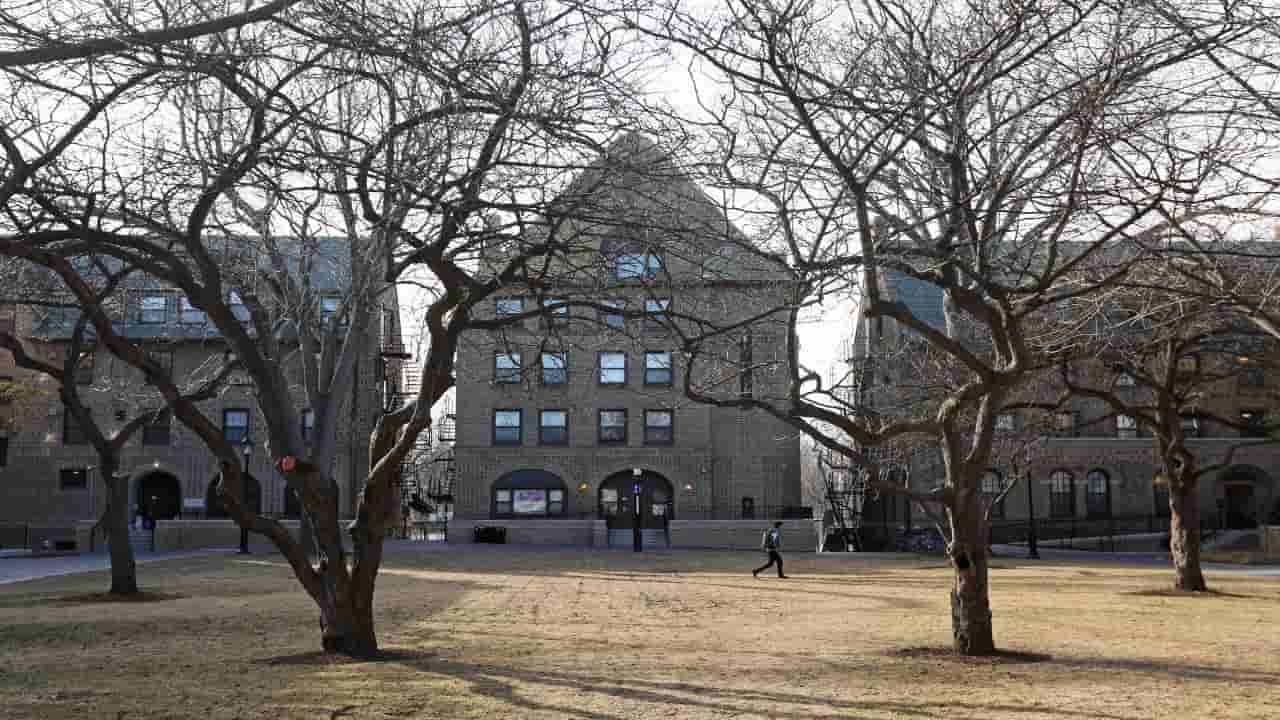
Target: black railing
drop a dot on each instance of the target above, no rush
(693, 512)
(1108, 534)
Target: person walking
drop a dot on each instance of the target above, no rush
(770, 542)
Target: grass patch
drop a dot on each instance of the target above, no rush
(510, 632)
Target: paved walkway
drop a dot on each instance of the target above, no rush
(17, 569)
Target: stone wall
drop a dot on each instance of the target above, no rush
(533, 532)
(797, 535)
(1271, 542)
(173, 535)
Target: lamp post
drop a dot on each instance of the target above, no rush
(636, 538)
(247, 450)
(1033, 552)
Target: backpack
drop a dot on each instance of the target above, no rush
(766, 541)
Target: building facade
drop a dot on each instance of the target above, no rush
(573, 421)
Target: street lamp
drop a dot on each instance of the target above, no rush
(636, 539)
(1033, 552)
(247, 450)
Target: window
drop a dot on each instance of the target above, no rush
(502, 502)
(329, 307)
(506, 367)
(528, 493)
(235, 426)
(153, 309)
(992, 487)
(555, 312)
(73, 479)
(507, 307)
(657, 427)
(1126, 427)
(637, 266)
(163, 358)
(613, 427)
(555, 368)
(1062, 494)
(308, 424)
(506, 427)
(156, 431)
(71, 432)
(1004, 423)
(657, 368)
(656, 314)
(238, 309)
(84, 368)
(1097, 494)
(553, 427)
(614, 320)
(1124, 379)
(613, 368)
(1254, 423)
(1064, 424)
(188, 314)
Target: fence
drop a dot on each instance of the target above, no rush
(1115, 533)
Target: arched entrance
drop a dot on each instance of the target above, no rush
(1242, 497)
(213, 499)
(618, 500)
(529, 493)
(159, 496)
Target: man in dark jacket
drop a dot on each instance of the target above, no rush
(770, 543)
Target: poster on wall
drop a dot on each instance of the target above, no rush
(529, 501)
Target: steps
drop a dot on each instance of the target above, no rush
(649, 537)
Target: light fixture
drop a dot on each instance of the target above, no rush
(583, 487)
(688, 487)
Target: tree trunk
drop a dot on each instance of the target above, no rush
(970, 601)
(1184, 536)
(346, 605)
(124, 571)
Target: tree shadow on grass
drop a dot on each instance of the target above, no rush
(1168, 592)
(1145, 667)
(29, 600)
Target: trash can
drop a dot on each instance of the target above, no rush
(495, 534)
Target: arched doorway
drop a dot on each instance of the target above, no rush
(159, 496)
(1243, 494)
(530, 493)
(618, 500)
(213, 499)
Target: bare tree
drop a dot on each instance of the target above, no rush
(941, 161)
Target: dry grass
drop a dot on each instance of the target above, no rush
(519, 633)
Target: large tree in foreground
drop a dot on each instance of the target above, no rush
(956, 164)
(400, 141)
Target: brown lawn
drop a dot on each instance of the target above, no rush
(492, 632)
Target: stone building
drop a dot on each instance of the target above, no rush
(565, 416)
(1089, 472)
(48, 469)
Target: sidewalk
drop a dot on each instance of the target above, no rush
(21, 568)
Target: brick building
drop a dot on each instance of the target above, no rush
(564, 415)
(48, 469)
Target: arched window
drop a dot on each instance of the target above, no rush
(1062, 494)
(1097, 494)
(992, 486)
(528, 493)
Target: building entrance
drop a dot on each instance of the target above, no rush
(158, 496)
(618, 501)
(1239, 506)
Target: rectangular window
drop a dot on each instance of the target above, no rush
(308, 424)
(658, 427)
(239, 310)
(657, 367)
(529, 502)
(555, 312)
(637, 266)
(71, 432)
(507, 307)
(555, 368)
(1062, 495)
(506, 427)
(235, 425)
(188, 314)
(1126, 427)
(84, 368)
(553, 427)
(613, 427)
(613, 368)
(156, 431)
(153, 309)
(656, 314)
(73, 479)
(506, 368)
(1004, 423)
(555, 502)
(163, 358)
(502, 502)
(614, 320)
(1064, 424)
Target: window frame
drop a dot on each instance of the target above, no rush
(670, 427)
(238, 439)
(669, 369)
(1062, 502)
(600, 427)
(1091, 508)
(509, 375)
(146, 315)
(655, 319)
(519, 426)
(542, 427)
(651, 264)
(601, 369)
(543, 369)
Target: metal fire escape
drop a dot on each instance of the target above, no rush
(845, 489)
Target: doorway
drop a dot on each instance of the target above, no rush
(618, 501)
(159, 496)
(1240, 507)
